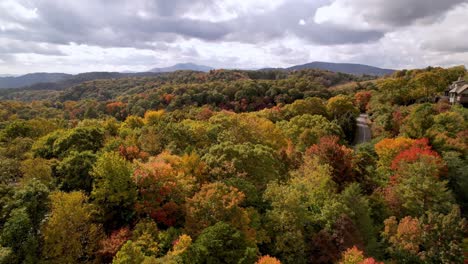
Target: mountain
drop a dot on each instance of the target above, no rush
(184, 67)
(32, 78)
(349, 68)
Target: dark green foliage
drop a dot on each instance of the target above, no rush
(16, 129)
(257, 161)
(19, 233)
(73, 172)
(221, 243)
(79, 139)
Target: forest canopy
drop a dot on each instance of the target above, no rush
(235, 167)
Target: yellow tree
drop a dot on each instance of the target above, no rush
(70, 236)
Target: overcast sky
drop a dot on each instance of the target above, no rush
(117, 35)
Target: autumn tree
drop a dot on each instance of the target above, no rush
(338, 157)
(362, 100)
(69, 233)
(355, 256)
(215, 202)
(163, 185)
(112, 244)
(432, 238)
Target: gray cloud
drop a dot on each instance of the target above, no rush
(122, 23)
(8, 46)
(393, 13)
(283, 32)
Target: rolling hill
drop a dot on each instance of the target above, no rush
(32, 78)
(349, 68)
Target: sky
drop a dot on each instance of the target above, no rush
(75, 36)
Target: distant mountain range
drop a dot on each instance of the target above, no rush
(183, 67)
(56, 81)
(349, 68)
(31, 78)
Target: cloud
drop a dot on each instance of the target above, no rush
(384, 13)
(9, 46)
(121, 34)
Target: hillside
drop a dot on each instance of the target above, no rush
(349, 68)
(32, 78)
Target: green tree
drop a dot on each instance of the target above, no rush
(342, 109)
(419, 121)
(114, 191)
(259, 162)
(73, 172)
(130, 253)
(306, 130)
(222, 243)
(301, 207)
(17, 234)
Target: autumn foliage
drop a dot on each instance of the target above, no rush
(339, 157)
(268, 260)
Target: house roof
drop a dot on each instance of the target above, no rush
(459, 89)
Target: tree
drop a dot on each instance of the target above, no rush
(355, 256)
(222, 243)
(302, 206)
(419, 121)
(78, 139)
(130, 253)
(416, 189)
(432, 238)
(215, 202)
(268, 260)
(18, 236)
(359, 211)
(338, 157)
(112, 244)
(305, 130)
(70, 235)
(23, 215)
(36, 168)
(163, 185)
(311, 106)
(387, 149)
(114, 191)
(342, 109)
(457, 175)
(260, 163)
(362, 100)
(73, 172)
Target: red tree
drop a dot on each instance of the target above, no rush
(339, 157)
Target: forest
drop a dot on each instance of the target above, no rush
(235, 166)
